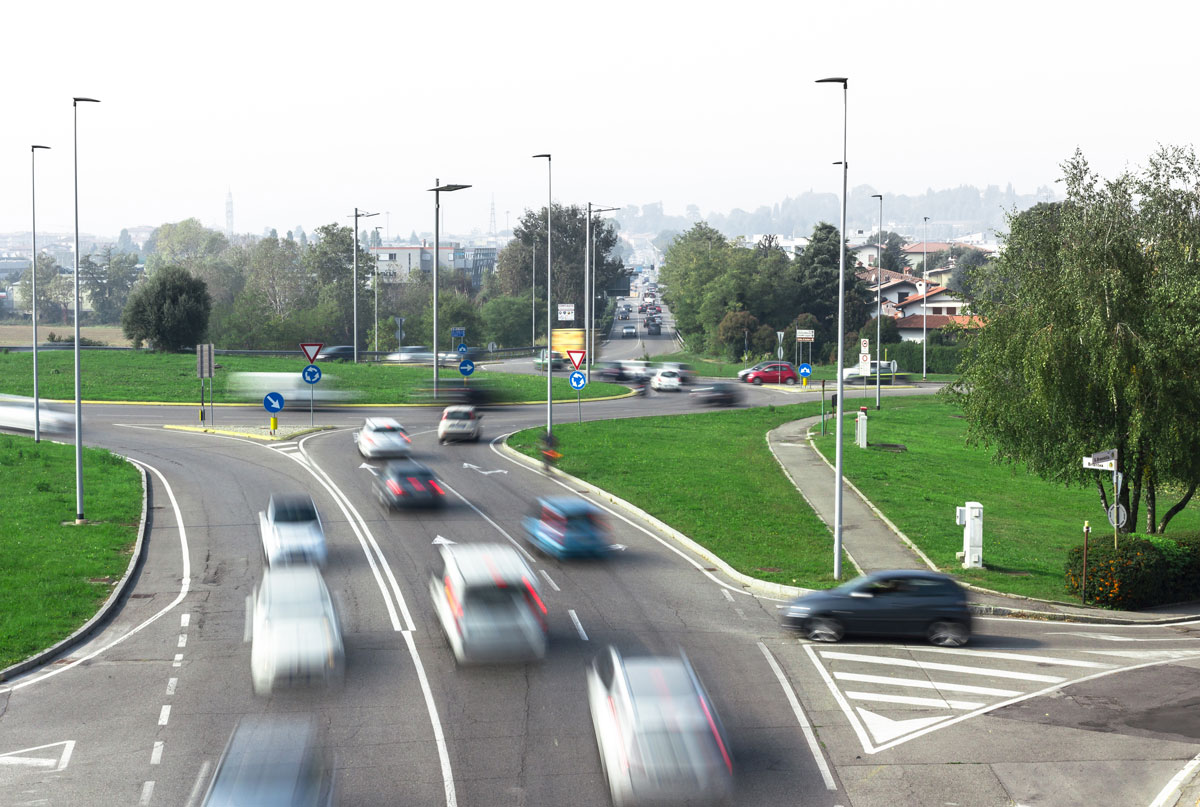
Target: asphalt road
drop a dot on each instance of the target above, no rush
(1030, 713)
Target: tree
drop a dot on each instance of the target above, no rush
(49, 308)
(125, 242)
(506, 321)
(169, 310)
(818, 282)
(892, 258)
(108, 282)
(735, 330)
(276, 275)
(1089, 338)
(330, 263)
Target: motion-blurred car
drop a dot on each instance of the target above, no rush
(557, 362)
(411, 354)
(291, 530)
(295, 635)
(665, 380)
(775, 372)
(658, 732)
(383, 437)
(253, 387)
(278, 760)
(336, 353)
(902, 603)
(609, 371)
(488, 604)
(719, 393)
(407, 483)
(460, 423)
(686, 374)
(628, 332)
(567, 527)
(16, 412)
(876, 367)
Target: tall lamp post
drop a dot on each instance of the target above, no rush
(377, 229)
(878, 297)
(438, 189)
(37, 417)
(549, 295)
(589, 290)
(837, 492)
(533, 296)
(358, 214)
(78, 397)
(924, 292)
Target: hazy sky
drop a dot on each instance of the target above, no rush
(305, 110)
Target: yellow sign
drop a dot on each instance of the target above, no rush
(564, 339)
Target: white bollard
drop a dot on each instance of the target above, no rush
(970, 518)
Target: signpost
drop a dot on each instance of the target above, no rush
(806, 335)
(491, 347)
(566, 312)
(804, 371)
(578, 381)
(458, 333)
(1107, 461)
(576, 357)
(273, 403)
(204, 369)
(466, 367)
(311, 375)
(462, 349)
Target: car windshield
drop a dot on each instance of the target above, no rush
(387, 427)
(294, 510)
(458, 416)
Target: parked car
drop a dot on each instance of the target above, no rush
(720, 393)
(291, 530)
(336, 353)
(274, 759)
(382, 437)
(776, 372)
(295, 634)
(488, 604)
(460, 423)
(557, 362)
(877, 367)
(901, 603)
(658, 731)
(567, 527)
(407, 484)
(665, 380)
(628, 332)
(743, 373)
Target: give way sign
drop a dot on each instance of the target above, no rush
(311, 349)
(576, 357)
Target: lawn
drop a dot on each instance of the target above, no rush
(1028, 524)
(145, 376)
(54, 577)
(710, 476)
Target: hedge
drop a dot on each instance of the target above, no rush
(1142, 571)
(939, 359)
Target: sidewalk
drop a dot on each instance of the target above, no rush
(875, 544)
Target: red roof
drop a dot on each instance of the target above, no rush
(935, 321)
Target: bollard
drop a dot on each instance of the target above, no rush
(274, 424)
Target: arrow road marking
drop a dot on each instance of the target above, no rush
(485, 473)
(442, 541)
(57, 763)
(370, 468)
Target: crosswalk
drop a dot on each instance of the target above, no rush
(893, 694)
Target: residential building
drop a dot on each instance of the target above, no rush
(398, 262)
(914, 327)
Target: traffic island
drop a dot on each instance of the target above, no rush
(256, 432)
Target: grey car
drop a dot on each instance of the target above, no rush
(294, 630)
(274, 761)
(382, 437)
(291, 530)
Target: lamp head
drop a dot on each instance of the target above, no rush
(31, 148)
(877, 196)
(87, 100)
(449, 187)
(835, 80)
(547, 156)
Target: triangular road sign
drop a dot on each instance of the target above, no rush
(311, 349)
(576, 357)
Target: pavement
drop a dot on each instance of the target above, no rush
(875, 544)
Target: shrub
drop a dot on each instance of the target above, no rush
(938, 359)
(1134, 575)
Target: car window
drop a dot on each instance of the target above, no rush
(458, 416)
(931, 588)
(888, 586)
(294, 511)
(605, 670)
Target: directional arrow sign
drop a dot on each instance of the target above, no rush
(21, 758)
(311, 349)
(273, 402)
(576, 357)
(442, 541)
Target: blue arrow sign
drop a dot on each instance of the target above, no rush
(462, 349)
(311, 374)
(578, 380)
(805, 370)
(466, 367)
(273, 402)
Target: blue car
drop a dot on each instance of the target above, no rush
(566, 527)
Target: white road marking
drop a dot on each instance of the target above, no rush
(488, 519)
(178, 662)
(921, 683)
(552, 584)
(182, 640)
(184, 620)
(1062, 662)
(728, 596)
(58, 764)
(936, 703)
(578, 625)
(740, 612)
(1147, 654)
(164, 715)
(156, 754)
(884, 728)
(1166, 795)
(201, 778)
(813, 746)
(147, 793)
(171, 684)
(932, 665)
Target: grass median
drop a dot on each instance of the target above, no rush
(171, 377)
(710, 476)
(54, 576)
(1029, 524)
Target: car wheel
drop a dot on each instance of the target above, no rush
(791, 382)
(824, 629)
(757, 382)
(947, 633)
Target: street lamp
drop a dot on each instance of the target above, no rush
(878, 296)
(437, 190)
(78, 397)
(589, 290)
(358, 214)
(837, 491)
(924, 292)
(377, 229)
(549, 295)
(37, 417)
(533, 295)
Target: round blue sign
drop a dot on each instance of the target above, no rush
(578, 380)
(805, 370)
(273, 402)
(311, 374)
(466, 367)
(462, 349)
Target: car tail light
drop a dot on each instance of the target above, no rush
(394, 487)
(433, 484)
(455, 605)
(531, 592)
(416, 483)
(716, 734)
(612, 707)
(407, 439)
(445, 416)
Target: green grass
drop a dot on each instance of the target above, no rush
(710, 476)
(1028, 524)
(54, 577)
(146, 376)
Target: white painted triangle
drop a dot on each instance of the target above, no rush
(884, 728)
(1147, 655)
(442, 541)
(57, 763)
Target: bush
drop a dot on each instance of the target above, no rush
(939, 358)
(1140, 572)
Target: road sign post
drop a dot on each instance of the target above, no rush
(578, 381)
(1107, 461)
(1083, 584)
(311, 375)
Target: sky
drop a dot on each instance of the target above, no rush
(306, 110)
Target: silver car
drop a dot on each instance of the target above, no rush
(291, 531)
(274, 760)
(657, 730)
(383, 437)
(294, 630)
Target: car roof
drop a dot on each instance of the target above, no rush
(484, 564)
(265, 753)
(382, 423)
(568, 505)
(298, 582)
(406, 466)
(911, 574)
(458, 408)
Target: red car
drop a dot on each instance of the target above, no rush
(776, 372)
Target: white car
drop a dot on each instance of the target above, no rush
(383, 437)
(488, 604)
(291, 531)
(881, 367)
(665, 380)
(294, 630)
(17, 413)
(459, 423)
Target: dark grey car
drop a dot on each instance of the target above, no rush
(274, 761)
(896, 603)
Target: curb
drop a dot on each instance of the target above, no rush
(762, 586)
(92, 625)
(264, 438)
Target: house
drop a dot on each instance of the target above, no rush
(915, 253)
(914, 327)
(939, 300)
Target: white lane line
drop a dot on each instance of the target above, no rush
(908, 700)
(184, 587)
(1166, 795)
(185, 620)
(178, 662)
(740, 612)
(920, 683)
(171, 684)
(1062, 662)
(164, 715)
(438, 736)
(728, 596)
(552, 584)
(156, 754)
(488, 519)
(805, 726)
(932, 665)
(578, 625)
(147, 792)
(182, 640)
(201, 778)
